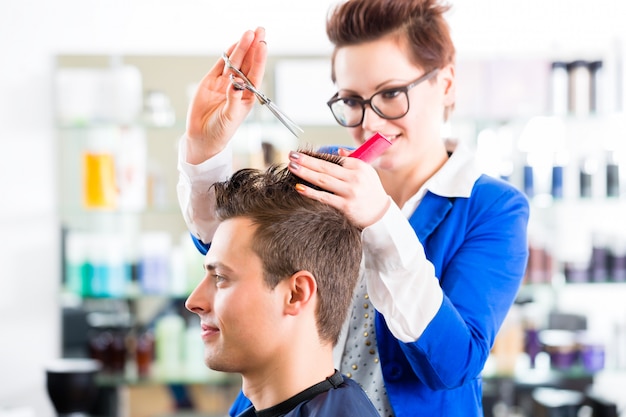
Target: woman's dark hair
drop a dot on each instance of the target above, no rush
(418, 24)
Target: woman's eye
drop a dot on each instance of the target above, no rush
(351, 102)
(390, 94)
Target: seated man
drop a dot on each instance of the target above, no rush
(280, 273)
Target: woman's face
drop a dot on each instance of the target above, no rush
(364, 69)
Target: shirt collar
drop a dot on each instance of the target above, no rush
(456, 177)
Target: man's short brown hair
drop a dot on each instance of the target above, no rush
(296, 233)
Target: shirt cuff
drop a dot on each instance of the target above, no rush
(191, 171)
(193, 190)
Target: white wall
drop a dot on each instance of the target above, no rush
(33, 31)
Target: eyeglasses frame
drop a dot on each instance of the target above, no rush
(404, 88)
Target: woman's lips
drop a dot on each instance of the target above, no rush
(390, 137)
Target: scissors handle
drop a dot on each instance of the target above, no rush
(236, 70)
(247, 86)
(263, 99)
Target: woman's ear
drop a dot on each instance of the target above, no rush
(302, 292)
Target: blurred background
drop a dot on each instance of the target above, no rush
(95, 260)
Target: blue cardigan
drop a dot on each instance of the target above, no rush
(478, 246)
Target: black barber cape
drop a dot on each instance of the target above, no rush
(334, 397)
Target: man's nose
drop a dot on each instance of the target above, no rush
(200, 299)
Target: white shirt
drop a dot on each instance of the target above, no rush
(400, 280)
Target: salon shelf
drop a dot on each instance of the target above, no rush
(131, 295)
(595, 203)
(600, 286)
(88, 125)
(75, 210)
(542, 376)
(130, 377)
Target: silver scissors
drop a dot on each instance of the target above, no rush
(263, 99)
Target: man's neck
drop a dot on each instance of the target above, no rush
(289, 375)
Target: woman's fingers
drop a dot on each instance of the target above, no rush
(237, 55)
(332, 200)
(258, 58)
(249, 54)
(353, 188)
(326, 175)
(344, 152)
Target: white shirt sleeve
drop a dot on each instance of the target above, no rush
(194, 182)
(401, 282)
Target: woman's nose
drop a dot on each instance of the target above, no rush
(371, 120)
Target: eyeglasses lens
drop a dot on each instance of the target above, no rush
(387, 104)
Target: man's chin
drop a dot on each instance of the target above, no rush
(219, 365)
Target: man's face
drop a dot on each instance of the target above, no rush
(240, 315)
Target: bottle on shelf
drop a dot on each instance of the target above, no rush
(154, 263)
(579, 87)
(100, 187)
(144, 352)
(559, 87)
(169, 340)
(194, 350)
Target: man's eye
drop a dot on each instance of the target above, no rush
(218, 278)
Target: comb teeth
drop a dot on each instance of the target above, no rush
(372, 148)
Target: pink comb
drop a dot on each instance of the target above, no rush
(372, 148)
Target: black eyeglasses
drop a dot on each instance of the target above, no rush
(392, 103)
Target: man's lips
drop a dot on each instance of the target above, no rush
(208, 331)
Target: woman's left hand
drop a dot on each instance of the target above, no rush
(354, 188)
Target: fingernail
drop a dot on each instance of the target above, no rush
(300, 187)
(294, 166)
(294, 155)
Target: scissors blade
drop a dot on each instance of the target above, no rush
(282, 117)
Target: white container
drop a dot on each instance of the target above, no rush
(131, 158)
(76, 95)
(559, 88)
(169, 339)
(121, 94)
(579, 88)
(154, 262)
(95, 95)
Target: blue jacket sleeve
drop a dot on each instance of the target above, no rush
(479, 253)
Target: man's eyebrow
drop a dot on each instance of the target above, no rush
(212, 266)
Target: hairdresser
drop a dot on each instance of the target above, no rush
(444, 246)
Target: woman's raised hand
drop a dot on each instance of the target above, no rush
(217, 108)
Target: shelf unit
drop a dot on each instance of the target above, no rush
(127, 258)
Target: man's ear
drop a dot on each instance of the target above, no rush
(302, 291)
(447, 75)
